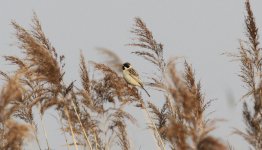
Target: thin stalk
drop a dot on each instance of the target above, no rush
(36, 137)
(158, 137)
(71, 129)
(62, 127)
(3, 134)
(82, 127)
(164, 78)
(45, 133)
(95, 138)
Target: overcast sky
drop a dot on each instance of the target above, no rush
(198, 30)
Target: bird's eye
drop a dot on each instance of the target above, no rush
(123, 67)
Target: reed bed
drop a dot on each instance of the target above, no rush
(94, 116)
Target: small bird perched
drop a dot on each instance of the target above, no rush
(131, 76)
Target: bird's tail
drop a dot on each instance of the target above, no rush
(145, 90)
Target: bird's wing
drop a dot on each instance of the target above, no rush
(132, 72)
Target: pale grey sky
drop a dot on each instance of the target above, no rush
(199, 30)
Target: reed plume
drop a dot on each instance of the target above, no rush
(94, 113)
(180, 121)
(12, 133)
(249, 56)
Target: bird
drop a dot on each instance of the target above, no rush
(132, 77)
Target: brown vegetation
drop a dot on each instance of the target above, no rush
(94, 115)
(250, 59)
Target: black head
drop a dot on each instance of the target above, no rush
(126, 65)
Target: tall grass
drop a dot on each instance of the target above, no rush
(95, 115)
(250, 59)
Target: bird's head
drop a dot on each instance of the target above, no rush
(126, 65)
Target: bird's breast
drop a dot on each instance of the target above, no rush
(130, 79)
